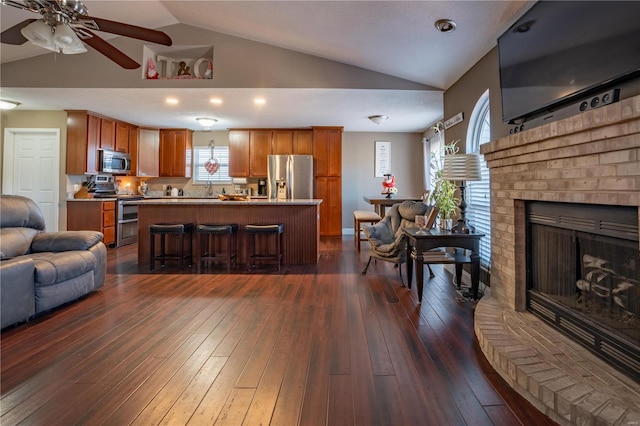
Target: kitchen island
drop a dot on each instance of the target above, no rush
(300, 239)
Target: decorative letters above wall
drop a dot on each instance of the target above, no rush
(177, 62)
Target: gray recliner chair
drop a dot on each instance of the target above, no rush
(41, 270)
(387, 241)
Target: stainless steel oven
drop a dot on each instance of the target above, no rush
(127, 232)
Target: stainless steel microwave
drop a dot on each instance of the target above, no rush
(113, 162)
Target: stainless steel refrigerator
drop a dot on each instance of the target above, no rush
(290, 177)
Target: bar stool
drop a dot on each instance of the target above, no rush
(164, 229)
(208, 254)
(360, 217)
(252, 232)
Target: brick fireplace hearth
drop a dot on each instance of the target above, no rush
(591, 158)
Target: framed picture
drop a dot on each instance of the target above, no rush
(382, 158)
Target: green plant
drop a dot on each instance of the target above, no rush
(443, 195)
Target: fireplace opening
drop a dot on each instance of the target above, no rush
(583, 276)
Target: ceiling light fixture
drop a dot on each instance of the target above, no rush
(217, 101)
(206, 122)
(172, 101)
(445, 25)
(6, 105)
(59, 38)
(259, 101)
(378, 118)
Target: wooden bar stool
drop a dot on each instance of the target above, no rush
(252, 231)
(164, 229)
(360, 217)
(207, 232)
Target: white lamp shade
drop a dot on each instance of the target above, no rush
(378, 118)
(464, 167)
(206, 122)
(40, 34)
(67, 41)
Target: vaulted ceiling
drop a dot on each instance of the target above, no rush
(397, 38)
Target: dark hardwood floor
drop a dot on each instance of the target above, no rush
(311, 345)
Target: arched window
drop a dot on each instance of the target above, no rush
(478, 193)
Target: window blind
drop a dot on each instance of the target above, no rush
(202, 155)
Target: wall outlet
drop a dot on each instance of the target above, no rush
(164, 187)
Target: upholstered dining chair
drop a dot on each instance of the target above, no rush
(387, 242)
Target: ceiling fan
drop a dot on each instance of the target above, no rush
(65, 25)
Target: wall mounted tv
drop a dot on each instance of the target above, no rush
(561, 52)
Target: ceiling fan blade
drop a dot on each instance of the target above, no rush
(110, 52)
(13, 34)
(131, 31)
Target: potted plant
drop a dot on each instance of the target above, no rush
(443, 195)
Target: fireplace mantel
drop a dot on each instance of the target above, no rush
(590, 158)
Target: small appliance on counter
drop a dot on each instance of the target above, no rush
(103, 186)
(262, 187)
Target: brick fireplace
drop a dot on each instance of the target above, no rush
(591, 158)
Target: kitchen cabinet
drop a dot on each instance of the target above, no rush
(239, 153)
(84, 131)
(133, 148)
(282, 142)
(176, 152)
(329, 190)
(327, 151)
(302, 142)
(122, 137)
(259, 149)
(148, 153)
(327, 159)
(107, 133)
(93, 215)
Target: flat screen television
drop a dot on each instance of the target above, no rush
(560, 52)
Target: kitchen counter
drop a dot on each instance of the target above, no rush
(216, 201)
(300, 239)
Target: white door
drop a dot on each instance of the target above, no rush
(31, 167)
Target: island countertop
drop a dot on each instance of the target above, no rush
(216, 201)
(300, 218)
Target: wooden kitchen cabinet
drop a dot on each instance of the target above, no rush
(327, 151)
(327, 159)
(259, 149)
(329, 190)
(176, 152)
(239, 153)
(83, 141)
(93, 215)
(148, 153)
(302, 142)
(282, 142)
(107, 133)
(133, 148)
(122, 137)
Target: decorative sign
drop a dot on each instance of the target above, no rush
(458, 118)
(383, 158)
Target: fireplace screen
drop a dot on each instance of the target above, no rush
(594, 275)
(583, 276)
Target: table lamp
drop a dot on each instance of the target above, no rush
(463, 168)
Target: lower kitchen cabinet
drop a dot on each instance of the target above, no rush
(93, 215)
(329, 190)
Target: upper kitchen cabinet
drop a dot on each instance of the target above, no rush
(108, 133)
(148, 153)
(84, 133)
(259, 149)
(327, 151)
(122, 137)
(239, 153)
(302, 142)
(282, 142)
(175, 152)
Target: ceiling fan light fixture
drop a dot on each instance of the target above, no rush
(206, 122)
(378, 118)
(67, 41)
(40, 34)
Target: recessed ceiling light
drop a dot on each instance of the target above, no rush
(445, 25)
(215, 101)
(172, 101)
(5, 104)
(259, 101)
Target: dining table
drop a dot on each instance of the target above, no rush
(381, 202)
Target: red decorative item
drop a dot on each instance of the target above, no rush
(212, 165)
(152, 74)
